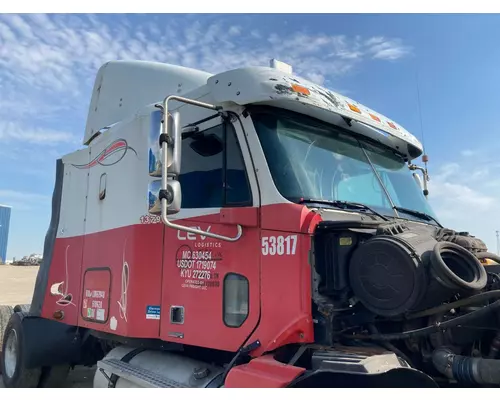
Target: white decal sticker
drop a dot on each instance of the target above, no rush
(113, 324)
(100, 314)
(122, 303)
(279, 245)
(61, 288)
(198, 268)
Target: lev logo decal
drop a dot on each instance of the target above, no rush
(192, 236)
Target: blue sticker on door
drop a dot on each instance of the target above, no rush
(153, 312)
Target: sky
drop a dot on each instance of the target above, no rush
(387, 62)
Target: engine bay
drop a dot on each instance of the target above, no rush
(428, 294)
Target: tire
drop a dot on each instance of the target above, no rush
(54, 377)
(5, 314)
(14, 373)
(25, 308)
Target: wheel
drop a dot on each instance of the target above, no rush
(14, 373)
(5, 313)
(22, 307)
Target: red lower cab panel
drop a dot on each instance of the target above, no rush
(262, 372)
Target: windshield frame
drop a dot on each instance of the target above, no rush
(364, 144)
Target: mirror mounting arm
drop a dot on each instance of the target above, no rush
(164, 195)
(414, 167)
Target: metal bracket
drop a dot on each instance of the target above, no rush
(111, 384)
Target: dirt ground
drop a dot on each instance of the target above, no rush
(16, 287)
(16, 284)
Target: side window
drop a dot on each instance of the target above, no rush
(201, 174)
(212, 170)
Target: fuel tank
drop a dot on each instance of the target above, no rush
(128, 367)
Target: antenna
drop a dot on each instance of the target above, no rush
(498, 244)
(425, 158)
(420, 110)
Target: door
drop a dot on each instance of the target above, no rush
(211, 287)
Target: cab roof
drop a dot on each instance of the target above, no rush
(260, 85)
(123, 88)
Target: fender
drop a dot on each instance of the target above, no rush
(47, 343)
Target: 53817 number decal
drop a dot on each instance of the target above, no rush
(279, 245)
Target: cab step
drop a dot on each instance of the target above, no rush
(140, 376)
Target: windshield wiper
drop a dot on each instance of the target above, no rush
(344, 205)
(418, 214)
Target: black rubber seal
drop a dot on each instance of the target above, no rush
(48, 247)
(164, 138)
(166, 194)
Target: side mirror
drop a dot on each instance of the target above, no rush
(173, 148)
(175, 145)
(174, 197)
(416, 176)
(173, 194)
(422, 184)
(170, 143)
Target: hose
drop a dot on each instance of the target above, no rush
(463, 260)
(433, 328)
(494, 346)
(466, 369)
(460, 303)
(389, 346)
(490, 256)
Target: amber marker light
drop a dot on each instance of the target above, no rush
(301, 89)
(354, 108)
(58, 315)
(392, 125)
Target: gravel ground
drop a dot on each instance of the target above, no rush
(16, 287)
(16, 284)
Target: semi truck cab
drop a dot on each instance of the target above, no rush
(248, 228)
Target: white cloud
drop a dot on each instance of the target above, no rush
(255, 34)
(13, 131)
(234, 30)
(374, 40)
(447, 170)
(386, 49)
(58, 55)
(16, 195)
(316, 78)
(468, 153)
(23, 201)
(459, 196)
(479, 174)
(32, 156)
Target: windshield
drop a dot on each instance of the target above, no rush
(312, 160)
